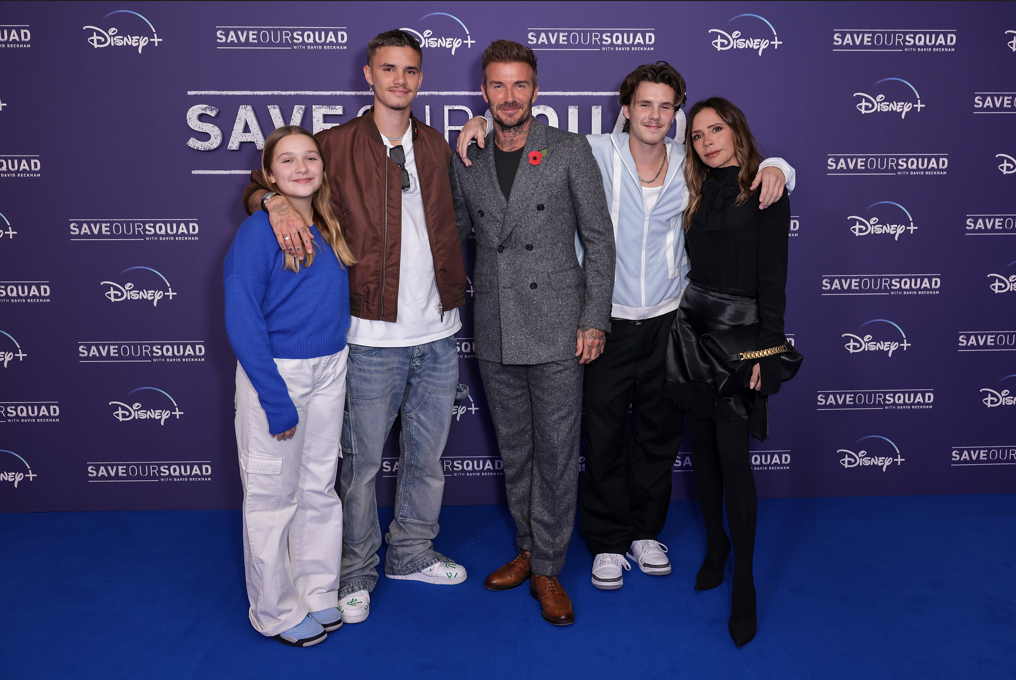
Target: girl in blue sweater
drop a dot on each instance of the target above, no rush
(287, 324)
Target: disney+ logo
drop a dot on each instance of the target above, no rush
(733, 41)
(880, 104)
(129, 291)
(1000, 283)
(867, 343)
(862, 458)
(136, 411)
(111, 37)
(994, 398)
(16, 476)
(428, 39)
(866, 227)
(7, 355)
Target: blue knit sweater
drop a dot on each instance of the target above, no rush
(274, 313)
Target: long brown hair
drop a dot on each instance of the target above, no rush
(324, 217)
(746, 153)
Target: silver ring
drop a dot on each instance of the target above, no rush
(285, 238)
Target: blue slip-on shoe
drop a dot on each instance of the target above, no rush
(330, 619)
(305, 634)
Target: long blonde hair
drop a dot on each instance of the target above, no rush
(745, 152)
(324, 217)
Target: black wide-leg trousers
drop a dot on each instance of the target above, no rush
(627, 483)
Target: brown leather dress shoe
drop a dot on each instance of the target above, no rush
(555, 605)
(511, 575)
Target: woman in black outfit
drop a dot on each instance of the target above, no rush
(738, 277)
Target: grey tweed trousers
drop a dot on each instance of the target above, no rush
(537, 412)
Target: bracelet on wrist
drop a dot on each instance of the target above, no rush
(267, 197)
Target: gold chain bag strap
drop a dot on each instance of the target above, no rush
(732, 363)
(762, 353)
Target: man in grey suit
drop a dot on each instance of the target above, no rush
(538, 314)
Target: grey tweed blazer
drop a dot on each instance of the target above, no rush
(531, 292)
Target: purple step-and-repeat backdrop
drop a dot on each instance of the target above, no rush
(128, 131)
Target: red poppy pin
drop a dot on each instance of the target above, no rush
(536, 157)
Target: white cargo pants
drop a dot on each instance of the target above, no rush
(292, 515)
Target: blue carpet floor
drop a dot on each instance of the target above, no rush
(902, 587)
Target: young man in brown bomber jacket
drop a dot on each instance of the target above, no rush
(389, 183)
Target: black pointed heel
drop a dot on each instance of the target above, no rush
(743, 622)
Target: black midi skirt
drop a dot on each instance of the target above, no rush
(691, 372)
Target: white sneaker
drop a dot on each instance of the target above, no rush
(355, 607)
(439, 574)
(650, 557)
(608, 571)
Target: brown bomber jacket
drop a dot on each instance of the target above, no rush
(366, 189)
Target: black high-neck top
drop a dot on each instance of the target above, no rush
(743, 250)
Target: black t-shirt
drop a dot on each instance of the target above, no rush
(507, 164)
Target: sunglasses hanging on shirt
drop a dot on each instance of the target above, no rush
(398, 154)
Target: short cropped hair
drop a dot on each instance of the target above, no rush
(508, 52)
(661, 72)
(396, 38)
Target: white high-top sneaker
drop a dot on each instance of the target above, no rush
(649, 555)
(608, 571)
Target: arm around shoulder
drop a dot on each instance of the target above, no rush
(784, 167)
(462, 218)
(254, 191)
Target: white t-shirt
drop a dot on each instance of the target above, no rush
(650, 197)
(419, 319)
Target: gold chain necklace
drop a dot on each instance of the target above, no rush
(656, 176)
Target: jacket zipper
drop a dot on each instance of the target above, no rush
(645, 243)
(645, 226)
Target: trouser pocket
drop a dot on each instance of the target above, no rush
(263, 482)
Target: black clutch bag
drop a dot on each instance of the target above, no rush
(734, 352)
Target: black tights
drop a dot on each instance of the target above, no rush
(719, 454)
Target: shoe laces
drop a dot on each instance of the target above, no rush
(552, 584)
(643, 548)
(618, 560)
(358, 599)
(439, 566)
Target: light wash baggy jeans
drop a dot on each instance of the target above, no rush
(420, 383)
